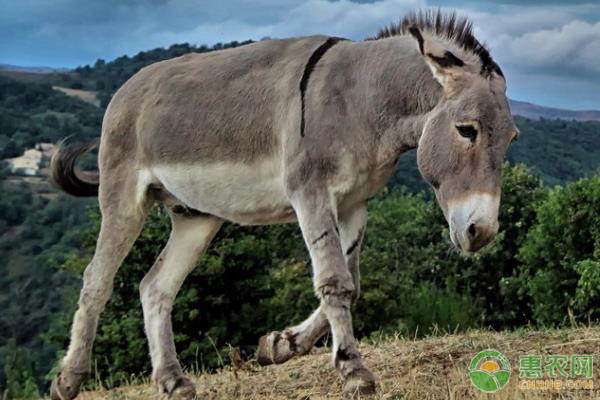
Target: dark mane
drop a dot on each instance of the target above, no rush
(444, 25)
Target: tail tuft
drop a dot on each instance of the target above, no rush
(65, 175)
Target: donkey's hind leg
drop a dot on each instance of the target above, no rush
(122, 221)
(190, 236)
(278, 347)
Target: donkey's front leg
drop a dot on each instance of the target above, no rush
(334, 286)
(278, 347)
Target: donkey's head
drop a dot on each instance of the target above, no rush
(465, 137)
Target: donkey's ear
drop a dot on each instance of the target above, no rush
(445, 66)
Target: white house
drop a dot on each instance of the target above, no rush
(32, 160)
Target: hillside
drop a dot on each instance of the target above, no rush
(534, 111)
(31, 113)
(407, 369)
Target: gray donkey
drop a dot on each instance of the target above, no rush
(307, 130)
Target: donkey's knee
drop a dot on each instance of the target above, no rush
(336, 290)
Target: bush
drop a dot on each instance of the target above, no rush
(561, 254)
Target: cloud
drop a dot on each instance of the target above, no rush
(342, 18)
(554, 40)
(549, 54)
(535, 39)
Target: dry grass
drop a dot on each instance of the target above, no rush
(430, 368)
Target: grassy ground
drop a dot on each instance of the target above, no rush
(430, 368)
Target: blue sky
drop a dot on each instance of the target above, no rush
(549, 50)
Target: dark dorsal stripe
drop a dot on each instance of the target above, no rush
(310, 66)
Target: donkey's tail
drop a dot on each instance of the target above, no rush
(66, 176)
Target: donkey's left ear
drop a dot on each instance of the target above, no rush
(445, 66)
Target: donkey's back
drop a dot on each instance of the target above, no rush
(227, 105)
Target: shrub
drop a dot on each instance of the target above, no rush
(562, 253)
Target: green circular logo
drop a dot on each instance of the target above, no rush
(489, 370)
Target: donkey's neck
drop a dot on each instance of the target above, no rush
(398, 89)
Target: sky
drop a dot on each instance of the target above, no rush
(549, 50)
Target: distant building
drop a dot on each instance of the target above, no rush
(32, 160)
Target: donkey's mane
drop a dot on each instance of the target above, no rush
(458, 30)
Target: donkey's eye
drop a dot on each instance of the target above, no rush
(467, 131)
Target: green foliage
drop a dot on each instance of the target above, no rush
(558, 151)
(429, 308)
(587, 296)
(31, 113)
(37, 235)
(561, 254)
(18, 372)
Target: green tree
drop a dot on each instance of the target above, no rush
(562, 252)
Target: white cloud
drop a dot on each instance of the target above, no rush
(571, 46)
(550, 40)
(343, 18)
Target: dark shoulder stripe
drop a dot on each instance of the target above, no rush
(448, 60)
(310, 66)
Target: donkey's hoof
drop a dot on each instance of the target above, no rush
(185, 391)
(66, 385)
(178, 388)
(358, 383)
(274, 348)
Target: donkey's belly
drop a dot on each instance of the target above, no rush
(245, 194)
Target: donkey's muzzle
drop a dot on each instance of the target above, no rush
(473, 221)
(478, 235)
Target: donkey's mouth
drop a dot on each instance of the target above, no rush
(475, 237)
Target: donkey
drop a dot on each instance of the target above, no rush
(305, 129)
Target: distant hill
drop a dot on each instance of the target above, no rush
(35, 70)
(33, 112)
(534, 111)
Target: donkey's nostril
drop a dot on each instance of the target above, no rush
(472, 230)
